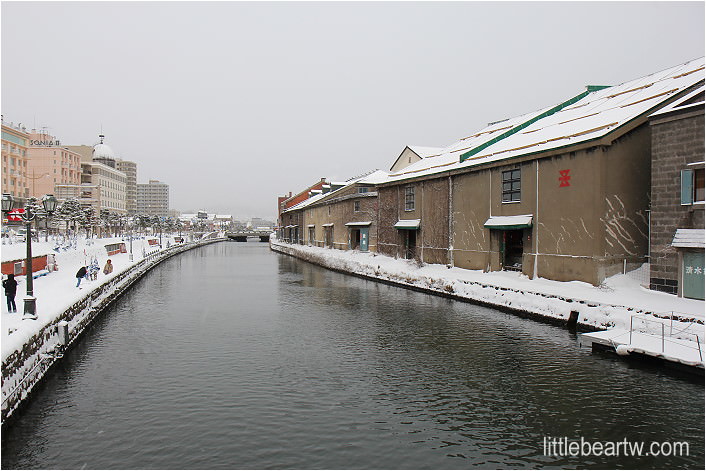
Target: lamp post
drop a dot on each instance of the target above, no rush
(130, 223)
(49, 202)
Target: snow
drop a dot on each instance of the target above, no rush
(57, 291)
(675, 349)
(373, 178)
(689, 238)
(679, 104)
(592, 117)
(425, 152)
(500, 221)
(408, 224)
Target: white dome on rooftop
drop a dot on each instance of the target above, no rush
(103, 151)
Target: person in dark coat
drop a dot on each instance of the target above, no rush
(79, 276)
(10, 286)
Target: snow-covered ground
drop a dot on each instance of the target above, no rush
(57, 291)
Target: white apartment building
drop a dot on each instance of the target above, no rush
(153, 199)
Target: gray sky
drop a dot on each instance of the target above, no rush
(265, 98)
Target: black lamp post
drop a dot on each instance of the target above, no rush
(49, 202)
(6, 203)
(130, 225)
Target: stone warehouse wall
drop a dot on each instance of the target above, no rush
(24, 368)
(676, 142)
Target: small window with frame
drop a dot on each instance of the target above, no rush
(356, 206)
(409, 198)
(511, 186)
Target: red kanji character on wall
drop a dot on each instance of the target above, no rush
(564, 178)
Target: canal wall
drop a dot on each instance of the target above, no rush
(582, 314)
(23, 369)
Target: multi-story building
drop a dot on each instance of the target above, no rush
(102, 185)
(50, 165)
(153, 198)
(110, 184)
(129, 168)
(15, 144)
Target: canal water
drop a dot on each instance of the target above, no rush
(231, 356)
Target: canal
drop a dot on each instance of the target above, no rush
(231, 356)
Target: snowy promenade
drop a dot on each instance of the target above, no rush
(619, 301)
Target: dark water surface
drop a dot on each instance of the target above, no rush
(231, 356)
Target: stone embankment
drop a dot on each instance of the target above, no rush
(583, 313)
(23, 369)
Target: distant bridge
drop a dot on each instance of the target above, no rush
(242, 236)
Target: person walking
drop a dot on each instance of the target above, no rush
(108, 268)
(10, 286)
(79, 276)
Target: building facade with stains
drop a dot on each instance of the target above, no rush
(677, 205)
(562, 193)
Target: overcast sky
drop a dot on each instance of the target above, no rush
(235, 103)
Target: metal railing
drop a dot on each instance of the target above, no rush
(670, 328)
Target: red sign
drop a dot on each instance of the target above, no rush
(15, 214)
(564, 178)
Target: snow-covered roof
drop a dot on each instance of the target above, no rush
(359, 223)
(408, 224)
(378, 176)
(507, 222)
(687, 101)
(689, 238)
(588, 116)
(373, 178)
(425, 152)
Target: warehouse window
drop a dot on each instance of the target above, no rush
(409, 198)
(692, 186)
(511, 186)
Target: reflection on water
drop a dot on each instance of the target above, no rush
(231, 356)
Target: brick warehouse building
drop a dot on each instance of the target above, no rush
(677, 207)
(561, 193)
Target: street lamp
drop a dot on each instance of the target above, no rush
(49, 202)
(6, 203)
(130, 224)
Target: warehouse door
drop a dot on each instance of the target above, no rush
(512, 250)
(693, 275)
